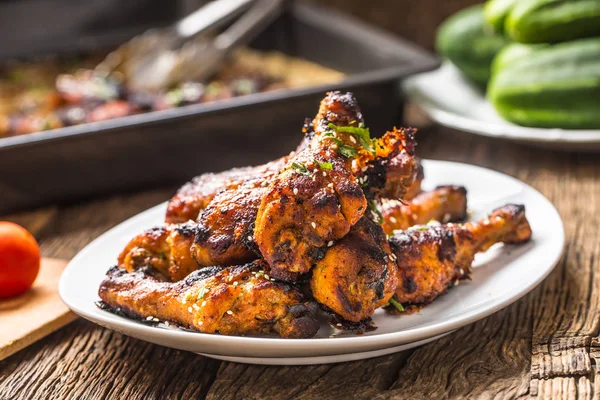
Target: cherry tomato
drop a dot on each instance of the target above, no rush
(19, 259)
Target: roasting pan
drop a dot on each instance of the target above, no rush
(171, 146)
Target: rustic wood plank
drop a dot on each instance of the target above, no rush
(89, 362)
(36, 313)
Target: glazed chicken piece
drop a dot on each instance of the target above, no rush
(195, 196)
(328, 193)
(357, 274)
(318, 197)
(238, 300)
(443, 204)
(165, 248)
(415, 188)
(431, 259)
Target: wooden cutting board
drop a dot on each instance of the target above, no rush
(35, 314)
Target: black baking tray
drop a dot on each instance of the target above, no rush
(171, 146)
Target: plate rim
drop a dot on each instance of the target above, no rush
(509, 131)
(343, 345)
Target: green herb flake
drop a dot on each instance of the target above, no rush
(396, 304)
(162, 256)
(421, 228)
(301, 168)
(202, 293)
(375, 211)
(325, 165)
(362, 134)
(345, 150)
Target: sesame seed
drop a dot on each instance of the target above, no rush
(235, 283)
(203, 303)
(273, 279)
(266, 276)
(324, 174)
(190, 309)
(264, 184)
(352, 139)
(249, 237)
(183, 301)
(149, 318)
(364, 169)
(338, 324)
(314, 178)
(195, 306)
(462, 272)
(313, 225)
(200, 322)
(498, 218)
(295, 191)
(330, 243)
(229, 312)
(456, 282)
(393, 220)
(155, 319)
(166, 323)
(262, 271)
(330, 185)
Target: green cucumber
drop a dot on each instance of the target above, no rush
(471, 44)
(549, 86)
(496, 11)
(551, 21)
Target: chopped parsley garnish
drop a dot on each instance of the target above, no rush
(396, 304)
(202, 292)
(162, 256)
(301, 168)
(325, 165)
(362, 134)
(375, 211)
(345, 150)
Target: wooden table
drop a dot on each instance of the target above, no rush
(544, 345)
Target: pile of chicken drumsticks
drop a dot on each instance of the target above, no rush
(340, 225)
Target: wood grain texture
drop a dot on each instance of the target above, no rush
(35, 314)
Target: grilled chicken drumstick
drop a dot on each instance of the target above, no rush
(238, 300)
(357, 274)
(432, 258)
(319, 186)
(443, 204)
(318, 197)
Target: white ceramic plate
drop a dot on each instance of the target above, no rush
(501, 276)
(337, 358)
(452, 101)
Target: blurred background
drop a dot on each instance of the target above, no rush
(57, 21)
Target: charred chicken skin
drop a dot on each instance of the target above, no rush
(443, 204)
(195, 196)
(232, 301)
(357, 274)
(433, 258)
(318, 197)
